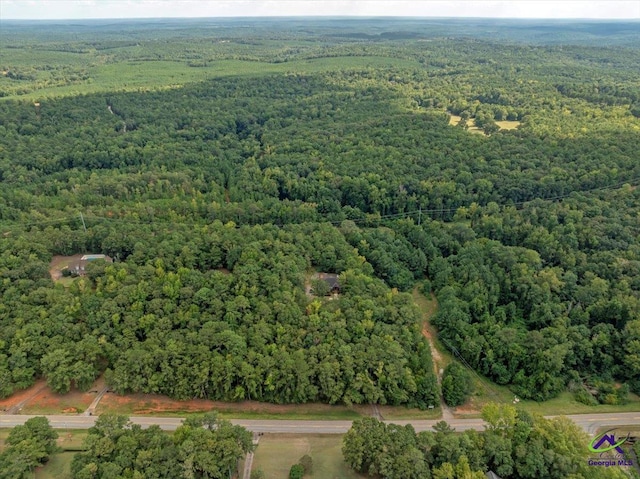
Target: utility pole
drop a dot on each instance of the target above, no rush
(83, 223)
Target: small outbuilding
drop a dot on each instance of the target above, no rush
(332, 281)
(78, 268)
(323, 284)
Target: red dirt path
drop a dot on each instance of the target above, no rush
(25, 394)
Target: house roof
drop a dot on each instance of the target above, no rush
(492, 475)
(91, 257)
(79, 265)
(331, 279)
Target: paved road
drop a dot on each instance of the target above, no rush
(589, 422)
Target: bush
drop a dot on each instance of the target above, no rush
(609, 394)
(623, 394)
(583, 396)
(605, 393)
(257, 474)
(307, 463)
(296, 471)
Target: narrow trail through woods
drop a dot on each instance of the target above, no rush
(428, 308)
(124, 124)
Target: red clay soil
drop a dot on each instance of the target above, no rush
(46, 401)
(139, 404)
(49, 402)
(149, 404)
(20, 396)
(435, 354)
(39, 399)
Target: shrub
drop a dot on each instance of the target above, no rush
(583, 396)
(307, 463)
(296, 471)
(425, 287)
(257, 474)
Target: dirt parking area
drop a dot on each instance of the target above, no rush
(59, 263)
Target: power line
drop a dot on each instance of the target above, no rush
(371, 218)
(464, 362)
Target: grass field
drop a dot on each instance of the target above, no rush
(504, 125)
(390, 413)
(471, 124)
(4, 433)
(154, 75)
(60, 263)
(58, 467)
(277, 453)
(508, 125)
(69, 406)
(633, 431)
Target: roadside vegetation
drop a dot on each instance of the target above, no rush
(514, 445)
(27, 447)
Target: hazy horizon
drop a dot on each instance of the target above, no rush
(176, 9)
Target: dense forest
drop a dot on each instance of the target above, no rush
(499, 174)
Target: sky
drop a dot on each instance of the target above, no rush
(77, 9)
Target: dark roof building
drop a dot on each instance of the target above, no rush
(332, 281)
(330, 286)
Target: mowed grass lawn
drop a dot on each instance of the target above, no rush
(277, 453)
